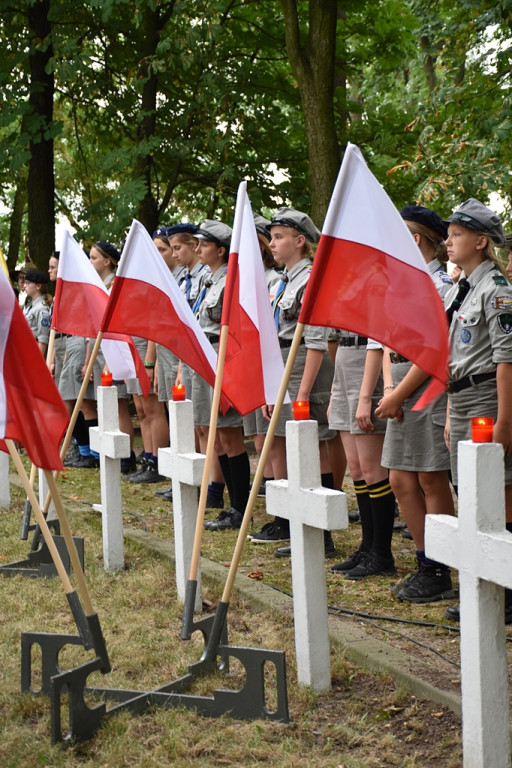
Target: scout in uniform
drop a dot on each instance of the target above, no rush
(293, 234)
(414, 448)
(37, 312)
(213, 249)
(479, 310)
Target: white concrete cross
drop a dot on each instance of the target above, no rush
(478, 545)
(5, 492)
(311, 509)
(112, 445)
(185, 467)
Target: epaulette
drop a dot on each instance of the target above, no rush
(499, 280)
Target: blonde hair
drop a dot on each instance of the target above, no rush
(490, 253)
(183, 237)
(308, 249)
(434, 239)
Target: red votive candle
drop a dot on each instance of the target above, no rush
(106, 379)
(178, 392)
(481, 429)
(300, 410)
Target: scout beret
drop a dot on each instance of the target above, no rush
(425, 216)
(109, 249)
(215, 232)
(474, 215)
(287, 217)
(34, 276)
(175, 229)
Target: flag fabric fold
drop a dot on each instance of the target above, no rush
(31, 409)
(253, 367)
(369, 276)
(146, 301)
(80, 303)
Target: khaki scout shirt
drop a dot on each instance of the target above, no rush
(198, 274)
(38, 318)
(210, 310)
(481, 330)
(315, 337)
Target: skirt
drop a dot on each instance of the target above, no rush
(346, 386)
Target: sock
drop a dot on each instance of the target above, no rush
(424, 560)
(224, 465)
(95, 454)
(85, 450)
(382, 501)
(216, 490)
(240, 471)
(327, 480)
(154, 459)
(365, 514)
(80, 431)
(148, 455)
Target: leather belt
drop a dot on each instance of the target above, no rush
(212, 338)
(470, 381)
(285, 343)
(350, 341)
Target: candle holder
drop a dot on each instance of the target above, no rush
(106, 379)
(482, 429)
(178, 392)
(300, 410)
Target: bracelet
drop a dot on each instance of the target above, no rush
(149, 365)
(389, 386)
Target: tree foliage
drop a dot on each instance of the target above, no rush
(159, 109)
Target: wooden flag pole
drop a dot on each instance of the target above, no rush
(191, 588)
(223, 604)
(74, 603)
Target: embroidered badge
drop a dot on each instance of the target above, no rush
(501, 301)
(45, 322)
(465, 336)
(505, 322)
(499, 280)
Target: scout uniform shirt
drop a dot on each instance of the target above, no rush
(442, 279)
(210, 309)
(481, 330)
(289, 306)
(38, 318)
(193, 281)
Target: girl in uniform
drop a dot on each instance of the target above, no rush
(478, 310)
(37, 313)
(293, 235)
(414, 448)
(213, 249)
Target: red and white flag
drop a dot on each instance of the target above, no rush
(80, 302)
(369, 276)
(31, 408)
(146, 301)
(253, 367)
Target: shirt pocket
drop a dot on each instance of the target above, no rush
(213, 307)
(290, 308)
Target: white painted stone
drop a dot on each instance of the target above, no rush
(112, 445)
(311, 509)
(5, 492)
(184, 466)
(478, 545)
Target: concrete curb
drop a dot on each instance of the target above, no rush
(366, 651)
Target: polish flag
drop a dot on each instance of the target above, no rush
(369, 276)
(253, 367)
(31, 408)
(80, 302)
(146, 301)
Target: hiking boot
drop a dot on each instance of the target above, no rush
(453, 613)
(149, 474)
(372, 565)
(395, 589)
(329, 548)
(270, 533)
(429, 584)
(164, 491)
(86, 462)
(353, 517)
(227, 520)
(129, 465)
(72, 455)
(349, 563)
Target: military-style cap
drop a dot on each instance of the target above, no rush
(287, 217)
(474, 215)
(109, 249)
(175, 229)
(262, 225)
(215, 232)
(508, 241)
(13, 274)
(34, 276)
(425, 216)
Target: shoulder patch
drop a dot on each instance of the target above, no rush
(505, 322)
(501, 301)
(45, 322)
(499, 280)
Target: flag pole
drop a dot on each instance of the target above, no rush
(223, 604)
(191, 588)
(27, 508)
(74, 602)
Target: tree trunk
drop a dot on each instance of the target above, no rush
(41, 205)
(16, 221)
(313, 65)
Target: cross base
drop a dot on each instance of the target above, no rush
(39, 563)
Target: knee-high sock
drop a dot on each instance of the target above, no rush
(382, 501)
(80, 431)
(365, 514)
(226, 471)
(240, 471)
